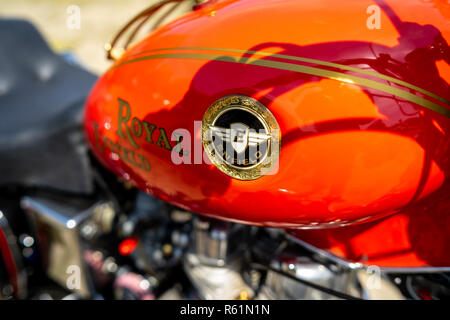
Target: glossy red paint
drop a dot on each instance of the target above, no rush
(353, 149)
(418, 236)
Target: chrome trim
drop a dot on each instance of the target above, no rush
(63, 243)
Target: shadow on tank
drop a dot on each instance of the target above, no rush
(413, 60)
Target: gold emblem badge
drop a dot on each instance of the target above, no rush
(241, 137)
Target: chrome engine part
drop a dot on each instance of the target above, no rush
(61, 230)
(278, 286)
(179, 255)
(220, 265)
(216, 282)
(214, 262)
(218, 242)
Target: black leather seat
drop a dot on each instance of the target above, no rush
(41, 105)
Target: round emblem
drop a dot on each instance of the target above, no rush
(241, 137)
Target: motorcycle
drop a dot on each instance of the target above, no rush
(245, 150)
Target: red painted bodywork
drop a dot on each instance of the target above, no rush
(367, 170)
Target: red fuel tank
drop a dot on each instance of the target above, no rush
(346, 103)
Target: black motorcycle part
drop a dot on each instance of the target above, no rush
(41, 105)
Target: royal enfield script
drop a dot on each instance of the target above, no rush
(131, 129)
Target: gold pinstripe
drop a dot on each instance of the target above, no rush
(306, 70)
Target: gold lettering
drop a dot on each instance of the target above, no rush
(162, 139)
(149, 128)
(179, 147)
(133, 129)
(226, 156)
(136, 127)
(125, 154)
(97, 137)
(145, 163)
(123, 121)
(113, 146)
